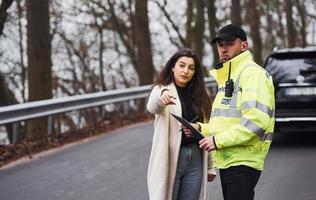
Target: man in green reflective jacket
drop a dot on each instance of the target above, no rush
(242, 121)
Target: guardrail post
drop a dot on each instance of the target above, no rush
(50, 125)
(125, 107)
(102, 112)
(16, 132)
(79, 119)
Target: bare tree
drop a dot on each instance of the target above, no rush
(5, 4)
(195, 26)
(39, 61)
(175, 27)
(122, 30)
(100, 29)
(212, 26)
(280, 27)
(291, 37)
(145, 68)
(22, 51)
(270, 38)
(133, 32)
(235, 10)
(302, 12)
(189, 28)
(7, 98)
(4, 89)
(6, 94)
(254, 21)
(199, 28)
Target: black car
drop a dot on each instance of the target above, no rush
(294, 75)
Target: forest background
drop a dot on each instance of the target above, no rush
(53, 48)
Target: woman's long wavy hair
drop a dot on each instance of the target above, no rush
(196, 87)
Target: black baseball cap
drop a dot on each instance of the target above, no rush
(230, 33)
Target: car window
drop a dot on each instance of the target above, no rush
(289, 69)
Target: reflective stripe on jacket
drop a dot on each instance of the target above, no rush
(242, 124)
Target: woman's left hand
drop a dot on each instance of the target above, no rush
(187, 132)
(210, 177)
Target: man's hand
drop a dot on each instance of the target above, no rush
(207, 144)
(167, 98)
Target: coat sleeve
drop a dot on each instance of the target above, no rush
(205, 128)
(154, 105)
(210, 166)
(257, 108)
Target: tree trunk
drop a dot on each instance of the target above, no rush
(145, 68)
(21, 47)
(280, 27)
(302, 12)
(39, 61)
(199, 28)
(122, 33)
(254, 21)
(7, 98)
(189, 28)
(101, 65)
(291, 37)
(271, 43)
(212, 26)
(236, 12)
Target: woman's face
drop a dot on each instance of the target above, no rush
(183, 71)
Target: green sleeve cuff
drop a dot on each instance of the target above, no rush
(217, 140)
(205, 128)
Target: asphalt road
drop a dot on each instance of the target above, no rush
(113, 167)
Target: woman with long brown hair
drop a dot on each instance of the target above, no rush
(178, 169)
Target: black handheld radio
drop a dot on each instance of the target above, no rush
(229, 84)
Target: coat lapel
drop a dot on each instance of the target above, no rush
(176, 109)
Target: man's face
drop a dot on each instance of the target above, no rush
(229, 49)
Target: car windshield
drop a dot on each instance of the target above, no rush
(289, 69)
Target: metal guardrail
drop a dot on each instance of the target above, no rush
(25, 111)
(30, 110)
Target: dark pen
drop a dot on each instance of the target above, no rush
(195, 118)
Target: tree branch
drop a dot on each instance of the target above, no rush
(174, 26)
(311, 15)
(3, 13)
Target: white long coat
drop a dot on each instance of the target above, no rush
(165, 147)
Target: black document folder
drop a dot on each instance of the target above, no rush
(197, 134)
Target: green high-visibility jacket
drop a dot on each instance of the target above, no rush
(243, 124)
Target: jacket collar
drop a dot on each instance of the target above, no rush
(221, 73)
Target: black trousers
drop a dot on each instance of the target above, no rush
(239, 182)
